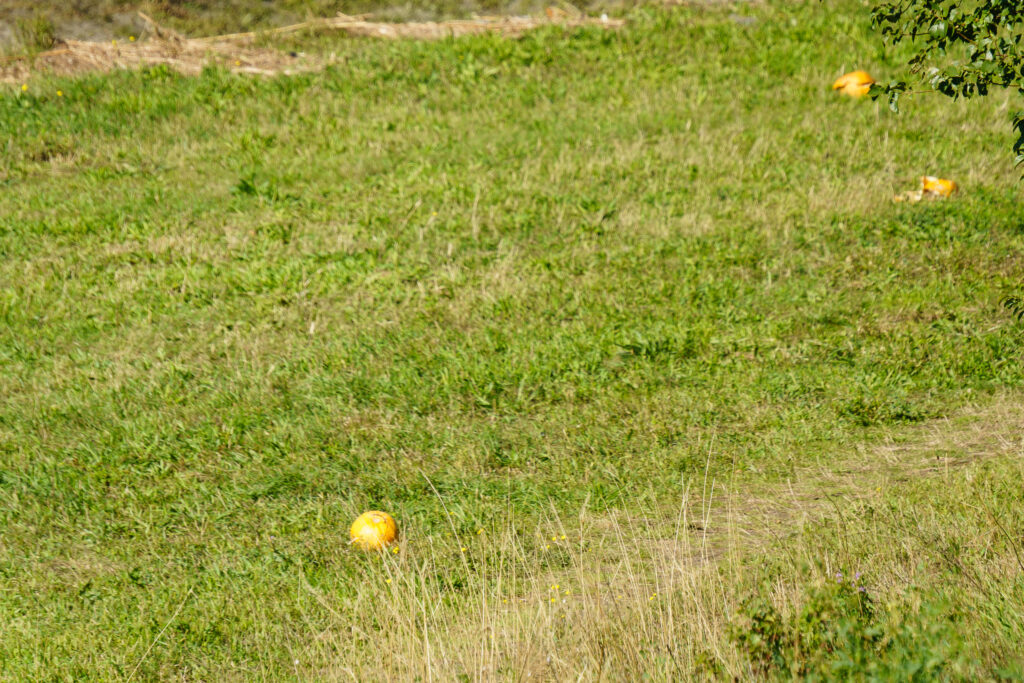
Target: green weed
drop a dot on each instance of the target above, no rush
(840, 633)
(35, 33)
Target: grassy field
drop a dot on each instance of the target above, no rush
(34, 24)
(623, 327)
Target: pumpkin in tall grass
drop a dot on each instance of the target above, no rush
(373, 530)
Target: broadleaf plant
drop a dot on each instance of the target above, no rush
(964, 48)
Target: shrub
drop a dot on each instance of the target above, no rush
(839, 634)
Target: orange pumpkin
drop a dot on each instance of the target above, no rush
(939, 187)
(373, 530)
(854, 84)
(931, 188)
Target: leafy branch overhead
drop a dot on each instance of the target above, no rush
(964, 48)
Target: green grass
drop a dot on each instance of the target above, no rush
(501, 285)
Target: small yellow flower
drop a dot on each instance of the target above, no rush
(238, 62)
(479, 531)
(563, 537)
(113, 42)
(553, 538)
(463, 548)
(434, 214)
(387, 581)
(567, 591)
(505, 601)
(552, 599)
(24, 87)
(554, 586)
(60, 93)
(395, 550)
(548, 546)
(653, 596)
(131, 39)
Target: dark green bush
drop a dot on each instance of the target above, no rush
(840, 634)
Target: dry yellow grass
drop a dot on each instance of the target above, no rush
(605, 596)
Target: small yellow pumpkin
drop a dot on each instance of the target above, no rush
(373, 530)
(854, 84)
(939, 187)
(931, 188)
